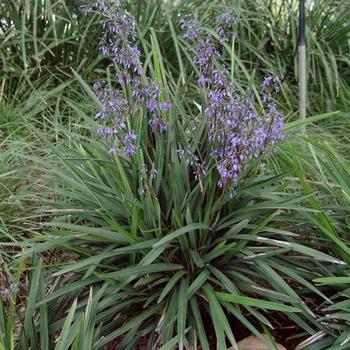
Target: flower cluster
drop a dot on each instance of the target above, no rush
(157, 123)
(197, 166)
(120, 42)
(270, 85)
(145, 175)
(187, 155)
(224, 24)
(119, 39)
(6, 293)
(191, 27)
(203, 47)
(237, 132)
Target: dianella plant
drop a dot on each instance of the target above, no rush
(172, 227)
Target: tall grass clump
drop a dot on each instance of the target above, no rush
(154, 192)
(167, 229)
(41, 40)
(333, 224)
(324, 176)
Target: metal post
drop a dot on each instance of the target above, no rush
(302, 61)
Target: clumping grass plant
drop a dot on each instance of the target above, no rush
(172, 232)
(171, 205)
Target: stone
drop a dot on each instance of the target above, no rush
(254, 343)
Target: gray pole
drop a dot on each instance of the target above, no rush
(302, 61)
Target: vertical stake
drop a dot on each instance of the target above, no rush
(302, 61)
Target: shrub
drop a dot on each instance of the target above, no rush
(168, 219)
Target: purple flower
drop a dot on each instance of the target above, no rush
(130, 149)
(114, 106)
(106, 132)
(128, 141)
(200, 171)
(145, 173)
(205, 53)
(124, 77)
(126, 144)
(228, 16)
(237, 133)
(128, 138)
(224, 24)
(6, 293)
(188, 156)
(191, 27)
(153, 173)
(157, 123)
(128, 56)
(150, 94)
(203, 81)
(120, 34)
(165, 106)
(152, 105)
(114, 150)
(117, 108)
(271, 84)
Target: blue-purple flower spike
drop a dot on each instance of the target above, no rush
(157, 123)
(237, 132)
(225, 23)
(119, 43)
